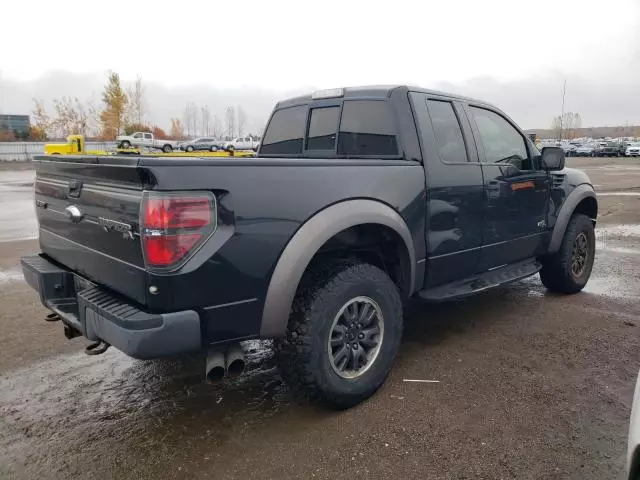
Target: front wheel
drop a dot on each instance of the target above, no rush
(125, 144)
(189, 148)
(569, 269)
(343, 334)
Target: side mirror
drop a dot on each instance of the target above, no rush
(552, 158)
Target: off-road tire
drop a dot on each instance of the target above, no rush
(556, 273)
(303, 356)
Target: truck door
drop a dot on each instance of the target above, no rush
(138, 139)
(454, 189)
(148, 140)
(516, 190)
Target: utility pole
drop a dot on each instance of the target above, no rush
(564, 91)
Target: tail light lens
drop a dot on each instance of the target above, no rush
(174, 225)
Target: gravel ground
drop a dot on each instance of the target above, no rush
(531, 385)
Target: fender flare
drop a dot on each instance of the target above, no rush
(306, 242)
(566, 210)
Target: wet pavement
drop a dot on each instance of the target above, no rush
(531, 385)
(17, 217)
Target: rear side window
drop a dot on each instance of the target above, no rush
(285, 132)
(322, 128)
(367, 128)
(447, 131)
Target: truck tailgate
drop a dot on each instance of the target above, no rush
(88, 210)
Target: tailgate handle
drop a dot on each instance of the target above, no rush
(74, 188)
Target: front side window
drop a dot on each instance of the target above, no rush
(367, 128)
(501, 141)
(137, 135)
(322, 128)
(285, 132)
(447, 131)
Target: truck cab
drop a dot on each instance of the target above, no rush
(75, 144)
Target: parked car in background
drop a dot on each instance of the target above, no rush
(611, 149)
(145, 140)
(587, 150)
(568, 148)
(633, 150)
(209, 144)
(243, 143)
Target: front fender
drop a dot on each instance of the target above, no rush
(564, 215)
(306, 242)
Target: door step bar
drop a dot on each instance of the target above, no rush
(484, 281)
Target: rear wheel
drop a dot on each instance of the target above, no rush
(569, 269)
(167, 149)
(343, 334)
(214, 148)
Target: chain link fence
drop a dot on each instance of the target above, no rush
(24, 151)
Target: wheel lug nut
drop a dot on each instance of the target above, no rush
(361, 336)
(355, 346)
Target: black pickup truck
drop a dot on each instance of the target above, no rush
(359, 199)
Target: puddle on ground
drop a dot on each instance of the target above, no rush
(624, 230)
(618, 194)
(607, 246)
(69, 401)
(610, 167)
(611, 287)
(12, 275)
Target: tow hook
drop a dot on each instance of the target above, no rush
(52, 317)
(97, 348)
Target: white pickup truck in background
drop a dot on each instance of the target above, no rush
(145, 140)
(243, 143)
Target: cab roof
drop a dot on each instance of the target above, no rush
(373, 91)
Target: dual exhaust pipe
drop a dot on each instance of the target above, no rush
(224, 363)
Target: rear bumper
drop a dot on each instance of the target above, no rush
(99, 315)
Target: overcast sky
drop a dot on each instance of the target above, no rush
(513, 53)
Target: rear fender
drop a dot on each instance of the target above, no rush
(308, 240)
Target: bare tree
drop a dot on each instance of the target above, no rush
(230, 119)
(556, 126)
(190, 118)
(71, 117)
(206, 119)
(41, 120)
(566, 125)
(137, 105)
(216, 127)
(241, 119)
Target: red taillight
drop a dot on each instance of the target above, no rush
(168, 249)
(177, 212)
(173, 225)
